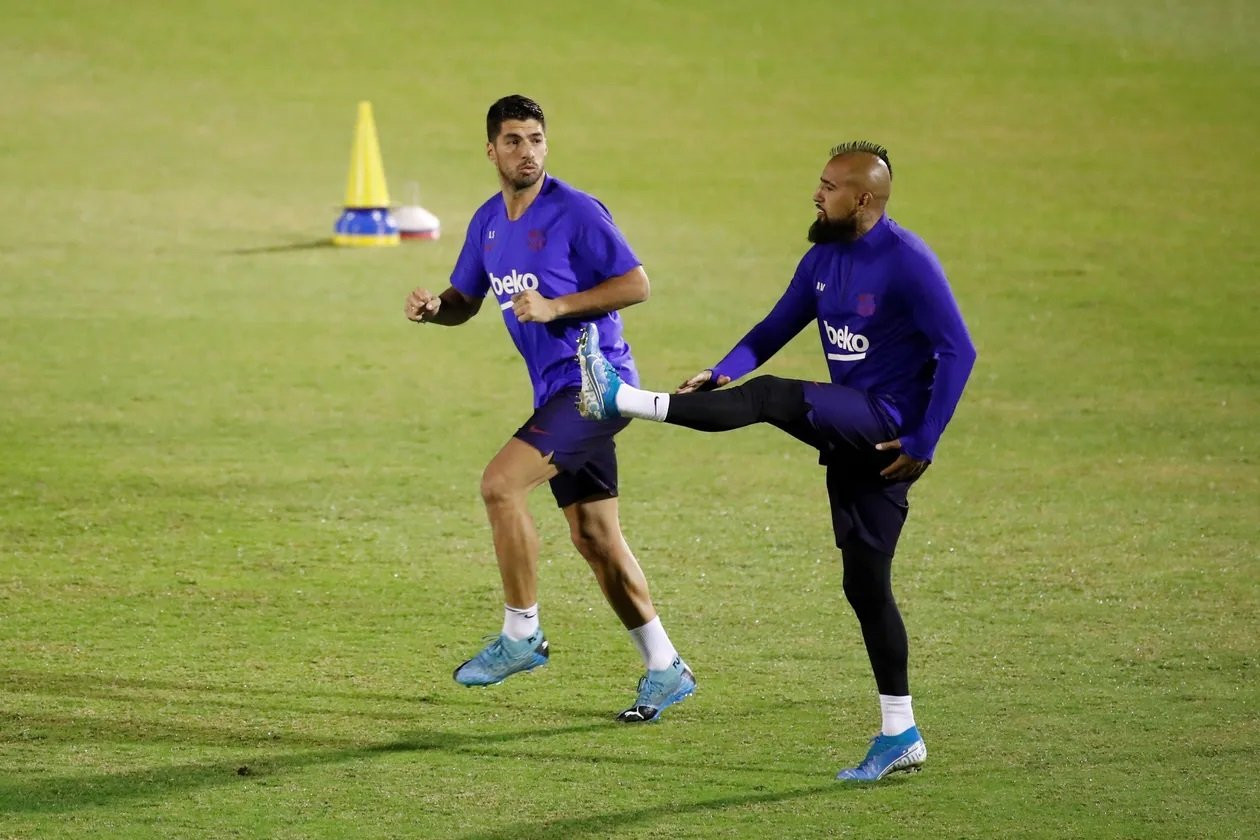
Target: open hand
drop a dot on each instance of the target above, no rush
(702, 381)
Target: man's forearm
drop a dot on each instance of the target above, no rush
(789, 317)
(953, 368)
(455, 308)
(613, 294)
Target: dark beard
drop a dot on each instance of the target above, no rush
(823, 231)
(522, 182)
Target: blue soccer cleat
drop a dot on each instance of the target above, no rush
(658, 690)
(502, 658)
(888, 754)
(600, 380)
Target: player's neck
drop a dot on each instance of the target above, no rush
(866, 225)
(518, 201)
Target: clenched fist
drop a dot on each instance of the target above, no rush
(531, 306)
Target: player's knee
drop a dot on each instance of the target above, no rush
(598, 555)
(759, 388)
(497, 488)
(594, 540)
(852, 592)
(585, 546)
(777, 399)
(770, 387)
(865, 595)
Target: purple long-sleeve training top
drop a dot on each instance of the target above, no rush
(889, 326)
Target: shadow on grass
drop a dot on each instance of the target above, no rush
(28, 728)
(656, 763)
(247, 698)
(62, 794)
(605, 825)
(306, 245)
(56, 794)
(59, 794)
(60, 684)
(264, 756)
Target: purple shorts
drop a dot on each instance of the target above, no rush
(583, 450)
(845, 425)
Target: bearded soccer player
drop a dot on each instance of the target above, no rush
(552, 258)
(899, 356)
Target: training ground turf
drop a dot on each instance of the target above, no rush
(241, 542)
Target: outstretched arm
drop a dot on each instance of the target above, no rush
(795, 309)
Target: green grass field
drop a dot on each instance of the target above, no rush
(241, 543)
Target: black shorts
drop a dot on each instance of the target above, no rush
(844, 424)
(583, 450)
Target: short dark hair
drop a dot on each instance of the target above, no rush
(864, 146)
(514, 107)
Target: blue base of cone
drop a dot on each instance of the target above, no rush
(366, 226)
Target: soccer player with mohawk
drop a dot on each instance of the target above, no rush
(899, 356)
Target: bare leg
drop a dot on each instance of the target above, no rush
(505, 488)
(596, 531)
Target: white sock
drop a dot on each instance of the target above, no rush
(640, 404)
(519, 622)
(654, 645)
(898, 716)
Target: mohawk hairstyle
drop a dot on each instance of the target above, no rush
(864, 146)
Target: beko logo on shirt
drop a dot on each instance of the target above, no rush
(514, 283)
(854, 344)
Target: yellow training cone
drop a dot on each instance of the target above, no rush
(366, 220)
